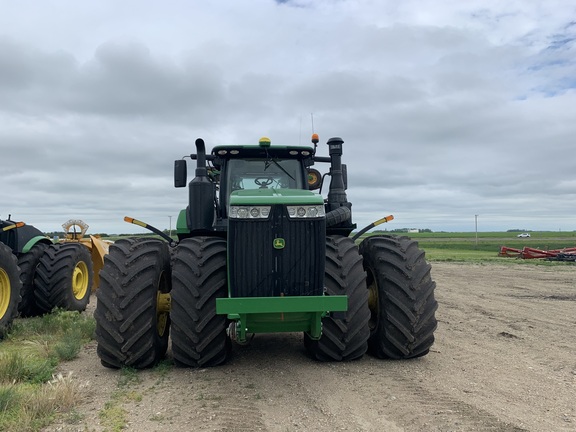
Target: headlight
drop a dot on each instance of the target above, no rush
(306, 211)
(249, 212)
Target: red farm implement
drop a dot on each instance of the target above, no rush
(566, 254)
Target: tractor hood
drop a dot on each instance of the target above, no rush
(20, 238)
(275, 196)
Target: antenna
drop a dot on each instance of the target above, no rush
(300, 133)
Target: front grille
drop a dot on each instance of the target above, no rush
(257, 269)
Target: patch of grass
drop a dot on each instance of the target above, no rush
(466, 247)
(9, 398)
(156, 417)
(74, 417)
(26, 368)
(30, 407)
(128, 376)
(210, 397)
(163, 368)
(31, 393)
(134, 396)
(567, 235)
(68, 348)
(114, 416)
(61, 393)
(53, 327)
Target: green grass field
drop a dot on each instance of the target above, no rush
(466, 247)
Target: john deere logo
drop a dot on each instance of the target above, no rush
(279, 243)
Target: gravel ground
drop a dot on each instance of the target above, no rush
(504, 360)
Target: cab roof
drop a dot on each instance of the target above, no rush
(259, 151)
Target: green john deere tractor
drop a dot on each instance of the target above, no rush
(21, 246)
(51, 275)
(259, 251)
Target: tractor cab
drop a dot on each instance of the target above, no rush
(242, 174)
(259, 171)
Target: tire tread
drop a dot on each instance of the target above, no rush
(53, 278)
(343, 339)
(406, 318)
(125, 313)
(199, 277)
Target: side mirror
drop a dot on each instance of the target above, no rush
(180, 173)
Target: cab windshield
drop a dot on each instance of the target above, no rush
(245, 174)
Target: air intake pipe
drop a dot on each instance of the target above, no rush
(337, 199)
(201, 192)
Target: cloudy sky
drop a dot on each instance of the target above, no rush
(448, 109)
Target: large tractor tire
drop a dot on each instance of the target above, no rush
(343, 337)
(28, 262)
(199, 277)
(10, 286)
(401, 297)
(63, 278)
(132, 312)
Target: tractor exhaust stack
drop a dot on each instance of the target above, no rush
(201, 190)
(338, 204)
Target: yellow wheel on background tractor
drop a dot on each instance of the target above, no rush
(80, 280)
(5, 291)
(10, 286)
(63, 278)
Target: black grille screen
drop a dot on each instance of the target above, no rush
(257, 269)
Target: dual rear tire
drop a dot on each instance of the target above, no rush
(132, 313)
(401, 297)
(62, 278)
(391, 304)
(199, 277)
(10, 286)
(344, 336)
(28, 262)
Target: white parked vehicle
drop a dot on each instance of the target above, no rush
(524, 235)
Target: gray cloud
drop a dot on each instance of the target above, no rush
(446, 111)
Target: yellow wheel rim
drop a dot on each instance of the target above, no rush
(80, 278)
(373, 304)
(5, 292)
(163, 305)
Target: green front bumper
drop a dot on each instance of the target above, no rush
(279, 314)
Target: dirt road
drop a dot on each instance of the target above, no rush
(504, 360)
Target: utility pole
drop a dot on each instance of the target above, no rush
(170, 230)
(476, 228)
